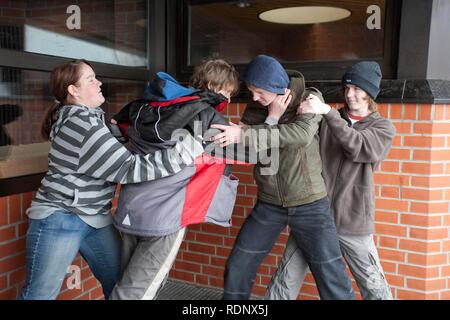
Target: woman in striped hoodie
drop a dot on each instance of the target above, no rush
(71, 211)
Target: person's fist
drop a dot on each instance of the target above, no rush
(313, 104)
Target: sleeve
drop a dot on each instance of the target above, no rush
(235, 153)
(297, 134)
(123, 116)
(103, 157)
(366, 146)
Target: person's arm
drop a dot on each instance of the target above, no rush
(103, 157)
(299, 133)
(230, 154)
(368, 145)
(270, 134)
(123, 116)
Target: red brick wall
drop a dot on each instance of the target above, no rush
(13, 227)
(412, 213)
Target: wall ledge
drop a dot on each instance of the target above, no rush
(394, 91)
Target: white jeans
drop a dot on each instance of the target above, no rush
(361, 256)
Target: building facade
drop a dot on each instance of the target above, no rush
(128, 40)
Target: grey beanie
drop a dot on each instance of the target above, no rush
(365, 75)
(266, 73)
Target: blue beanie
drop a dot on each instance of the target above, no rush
(266, 73)
(365, 75)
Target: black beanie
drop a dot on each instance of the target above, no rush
(365, 75)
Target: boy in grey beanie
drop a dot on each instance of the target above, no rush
(292, 196)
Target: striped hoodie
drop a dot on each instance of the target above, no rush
(86, 162)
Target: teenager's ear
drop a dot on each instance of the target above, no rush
(72, 90)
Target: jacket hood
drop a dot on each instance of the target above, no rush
(64, 114)
(165, 88)
(297, 86)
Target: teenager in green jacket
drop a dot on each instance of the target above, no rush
(292, 192)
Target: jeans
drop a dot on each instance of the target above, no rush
(315, 233)
(52, 244)
(361, 256)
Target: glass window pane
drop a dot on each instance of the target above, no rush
(106, 31)
(234, 31)
(24, 99)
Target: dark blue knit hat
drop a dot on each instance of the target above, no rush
(266, 73)
(365, 75)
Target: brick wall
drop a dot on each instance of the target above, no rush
(13, 227)
(412, 213)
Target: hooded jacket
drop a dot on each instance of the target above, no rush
(294, 143)
(204, 192)
(350, 155)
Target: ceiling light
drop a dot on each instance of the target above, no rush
(304, 15)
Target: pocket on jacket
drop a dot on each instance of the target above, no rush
(222, 205)
(368, 198)
(356, 209)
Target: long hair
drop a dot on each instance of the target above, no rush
(61, 78)
(215, 75)
(373, 106)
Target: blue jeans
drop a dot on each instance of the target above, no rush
(313, 227)
(52, 244)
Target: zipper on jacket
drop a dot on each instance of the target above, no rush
(280, 193)
(335, 182)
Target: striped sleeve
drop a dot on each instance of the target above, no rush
(103, 157)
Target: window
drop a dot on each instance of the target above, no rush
(34, 38)
(106, 31)
(22, 106)
(234, 31)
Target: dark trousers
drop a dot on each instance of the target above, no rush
(315, 233)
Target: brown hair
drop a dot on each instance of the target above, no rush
(373, 106)
(215, 75)
(61, 78)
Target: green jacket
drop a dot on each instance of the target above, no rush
(296, 178)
